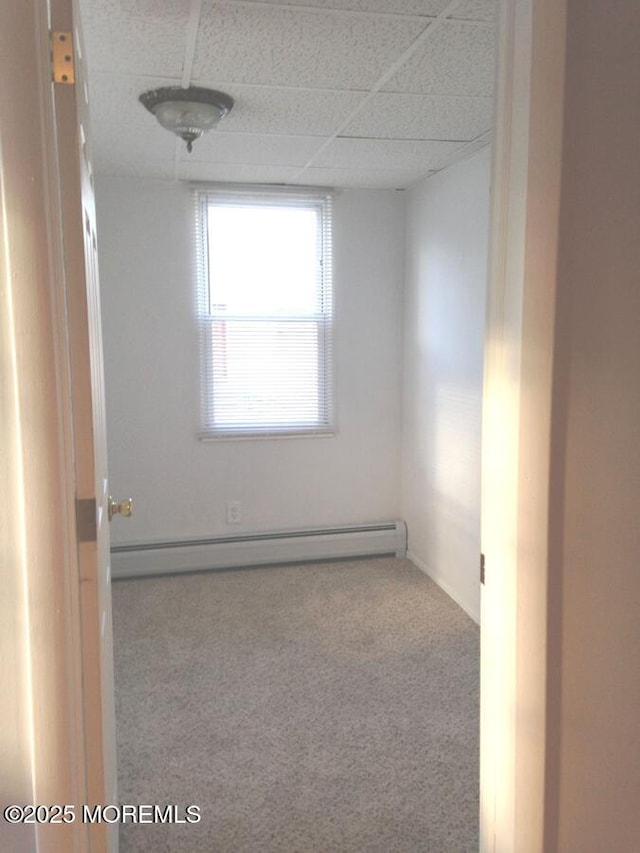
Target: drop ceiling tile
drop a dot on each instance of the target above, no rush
(390, 7)
(288, 112)
(253, 149)
(111, 150)
(458, 59)
(113, 103)
(235, 173)
(470, 10)
(137, 167)
(135, 45)
(397, 116)
(380, 179)
(121, 129)
(476, 10)
(385, 154)
(289, 47)
(135, 36)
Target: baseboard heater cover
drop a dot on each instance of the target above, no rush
(259, 549)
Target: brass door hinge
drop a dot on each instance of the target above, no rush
(62, 58)
(481, 568)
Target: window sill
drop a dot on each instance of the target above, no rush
(261, 436)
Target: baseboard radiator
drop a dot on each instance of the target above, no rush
(259, 549)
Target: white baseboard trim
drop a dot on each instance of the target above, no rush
(260, 549)
(473, 612)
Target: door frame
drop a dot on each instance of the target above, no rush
(516, 427)
(516, 445)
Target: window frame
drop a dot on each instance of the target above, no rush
(320, 200)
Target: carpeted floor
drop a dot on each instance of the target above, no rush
(326, 708)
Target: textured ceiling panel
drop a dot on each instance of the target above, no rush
(135, 36)
(386, 154)
(398, 116)
(278, 46)
(297, 70)
(458, 59)
(380, 179)
(470, 10)
(234, 173)
(140, 165)
(476, 10)
(392, 7)
(121, 129)
(289, 112)
(253, 149)
(111, 147)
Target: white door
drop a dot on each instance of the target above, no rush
(57, 732)
(88, 404)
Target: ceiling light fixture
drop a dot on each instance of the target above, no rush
(187, 112)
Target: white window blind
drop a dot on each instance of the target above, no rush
(266, 310)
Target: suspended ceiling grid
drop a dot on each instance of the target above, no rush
(347, 93)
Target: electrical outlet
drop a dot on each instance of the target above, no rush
(234, 512)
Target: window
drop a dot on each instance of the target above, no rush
(266, 312)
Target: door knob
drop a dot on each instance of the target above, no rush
(124, 508)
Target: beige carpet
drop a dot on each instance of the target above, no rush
(305, 709)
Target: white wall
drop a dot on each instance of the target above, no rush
(447, 240)
(179, 484)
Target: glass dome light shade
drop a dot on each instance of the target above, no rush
(187, 112)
